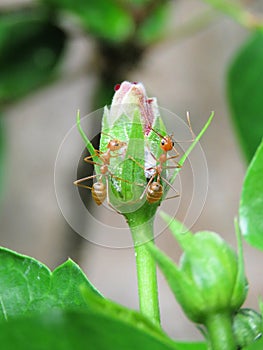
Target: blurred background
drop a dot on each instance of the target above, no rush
(60, 56)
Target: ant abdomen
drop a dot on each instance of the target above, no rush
(154, 192)
(98, 192)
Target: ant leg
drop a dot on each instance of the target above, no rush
(88, 160)
(191, 131)
(178, 166)
(136, 162)
(78, 182)
(171, 186)
(189, 124)
(108, 198)
(121, 179)
(96, 154)
(175, 196)
(173, 157)
(147, 186)
(151, 179)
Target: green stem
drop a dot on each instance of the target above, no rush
(146, 271)
(220, 332)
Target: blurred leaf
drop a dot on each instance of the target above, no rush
(30, 48)
(245, 86)
(258, 345)
(238, 11)
(27, 286)
(62, 330)
(106, 19)
(231, 8)
(251, 203)
(153, 27)
(2, 153)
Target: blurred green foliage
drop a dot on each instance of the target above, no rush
(251, 203)
(31, 45)
(103, 19)
(32, 40)
(245, 93)
(2, 153)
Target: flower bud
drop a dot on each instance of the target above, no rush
(130, 119)
(210, 266)
(210, 278)
(130, 96)
(247, 327)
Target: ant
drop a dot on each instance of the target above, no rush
(154, 189)
(167, 143)
(98, 190)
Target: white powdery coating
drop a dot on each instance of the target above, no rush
(150, 162)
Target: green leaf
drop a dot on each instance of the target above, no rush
(62, 330)
(106, 19)
(30, 49)
(28, 286)
(177, 227)
(245, 85)
(251, 203)
(154, 25)
(62, 310)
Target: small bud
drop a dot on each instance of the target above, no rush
(210, 266)
(209, 280)
(247, 327)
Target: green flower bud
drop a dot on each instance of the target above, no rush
(136, 176)
(131, 119)
(210, 266)
(247, 327)
(210, 278)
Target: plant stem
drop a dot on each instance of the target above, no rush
(220, 332)
(146, 271)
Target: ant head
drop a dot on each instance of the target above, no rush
(167, 143)
(115, 145)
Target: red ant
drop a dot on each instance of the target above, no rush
(98, 190)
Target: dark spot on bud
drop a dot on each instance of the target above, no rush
(116, 87)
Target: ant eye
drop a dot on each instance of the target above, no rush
(173, 144)
(163, 142)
